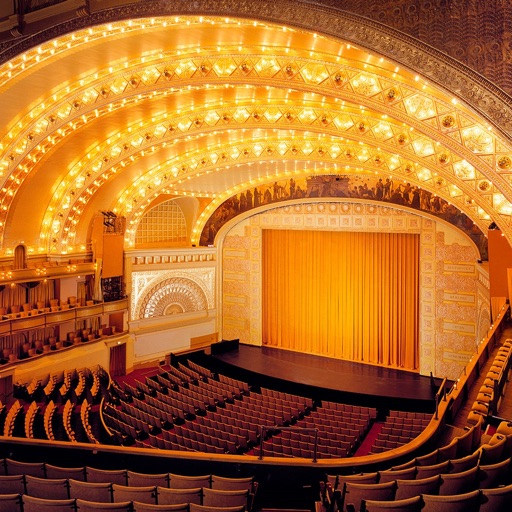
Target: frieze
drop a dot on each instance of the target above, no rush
(341, 187)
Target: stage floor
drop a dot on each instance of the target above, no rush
(398, 388)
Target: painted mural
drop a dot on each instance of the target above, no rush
(355, 187)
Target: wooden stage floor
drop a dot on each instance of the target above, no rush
(329, 378)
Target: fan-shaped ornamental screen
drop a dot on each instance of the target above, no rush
(174, 296)
(350, 295)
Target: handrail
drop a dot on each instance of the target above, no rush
(264, 428)
(440, 395)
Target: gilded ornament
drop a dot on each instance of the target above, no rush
(448, 121)
(338, 79)
(392, 94)
(440, 181)
(504, 162)
(484, 185)
(443, 158)
(402, 139)
(361, 126)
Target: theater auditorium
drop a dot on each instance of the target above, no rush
(255, 256)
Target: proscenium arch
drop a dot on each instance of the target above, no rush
(422, 58)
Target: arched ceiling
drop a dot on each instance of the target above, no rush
(124, 114)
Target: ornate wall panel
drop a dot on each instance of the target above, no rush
(165, 292)
(448, 311)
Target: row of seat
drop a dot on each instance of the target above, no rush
(485, 500)
(486, 400)
(25, 503)
(106, 492)
(124, 477)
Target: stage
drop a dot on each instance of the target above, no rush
(325, 378)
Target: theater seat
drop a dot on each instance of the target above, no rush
(469, 502)
(409, 505)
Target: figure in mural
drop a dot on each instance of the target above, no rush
(358, 187)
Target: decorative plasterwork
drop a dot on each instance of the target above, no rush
(447, 72)
(466, 160)
(154, 291)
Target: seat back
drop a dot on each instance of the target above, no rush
(400, 474)
(354, 493)
(32, 504)
(413, 504)
(409, 488)
(459, 483)
(167, 496)
(188, 482)
(144, 479)
(204, 508)
(50, 488)
(114, 476)
(146, 494)
(231, 484)
(496, 500)
(490, 454)
(432, 470)
(61, 472)
(14, 467)
(146, 507)
(90, 491)
(464, 463)
(12, 484)
(219, 498)
(493, 475)
(10, 502)
(469, 502)
(95, 506)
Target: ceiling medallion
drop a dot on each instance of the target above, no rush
(443, 158)
(408, 169)
(484, 185)
(504, 162)
(338, 79)
(448, 121)
(402, 139)
(362, 126)
(440, 181)
(245, 67)
(392, 94)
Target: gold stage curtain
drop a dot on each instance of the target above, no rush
(349, 295)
